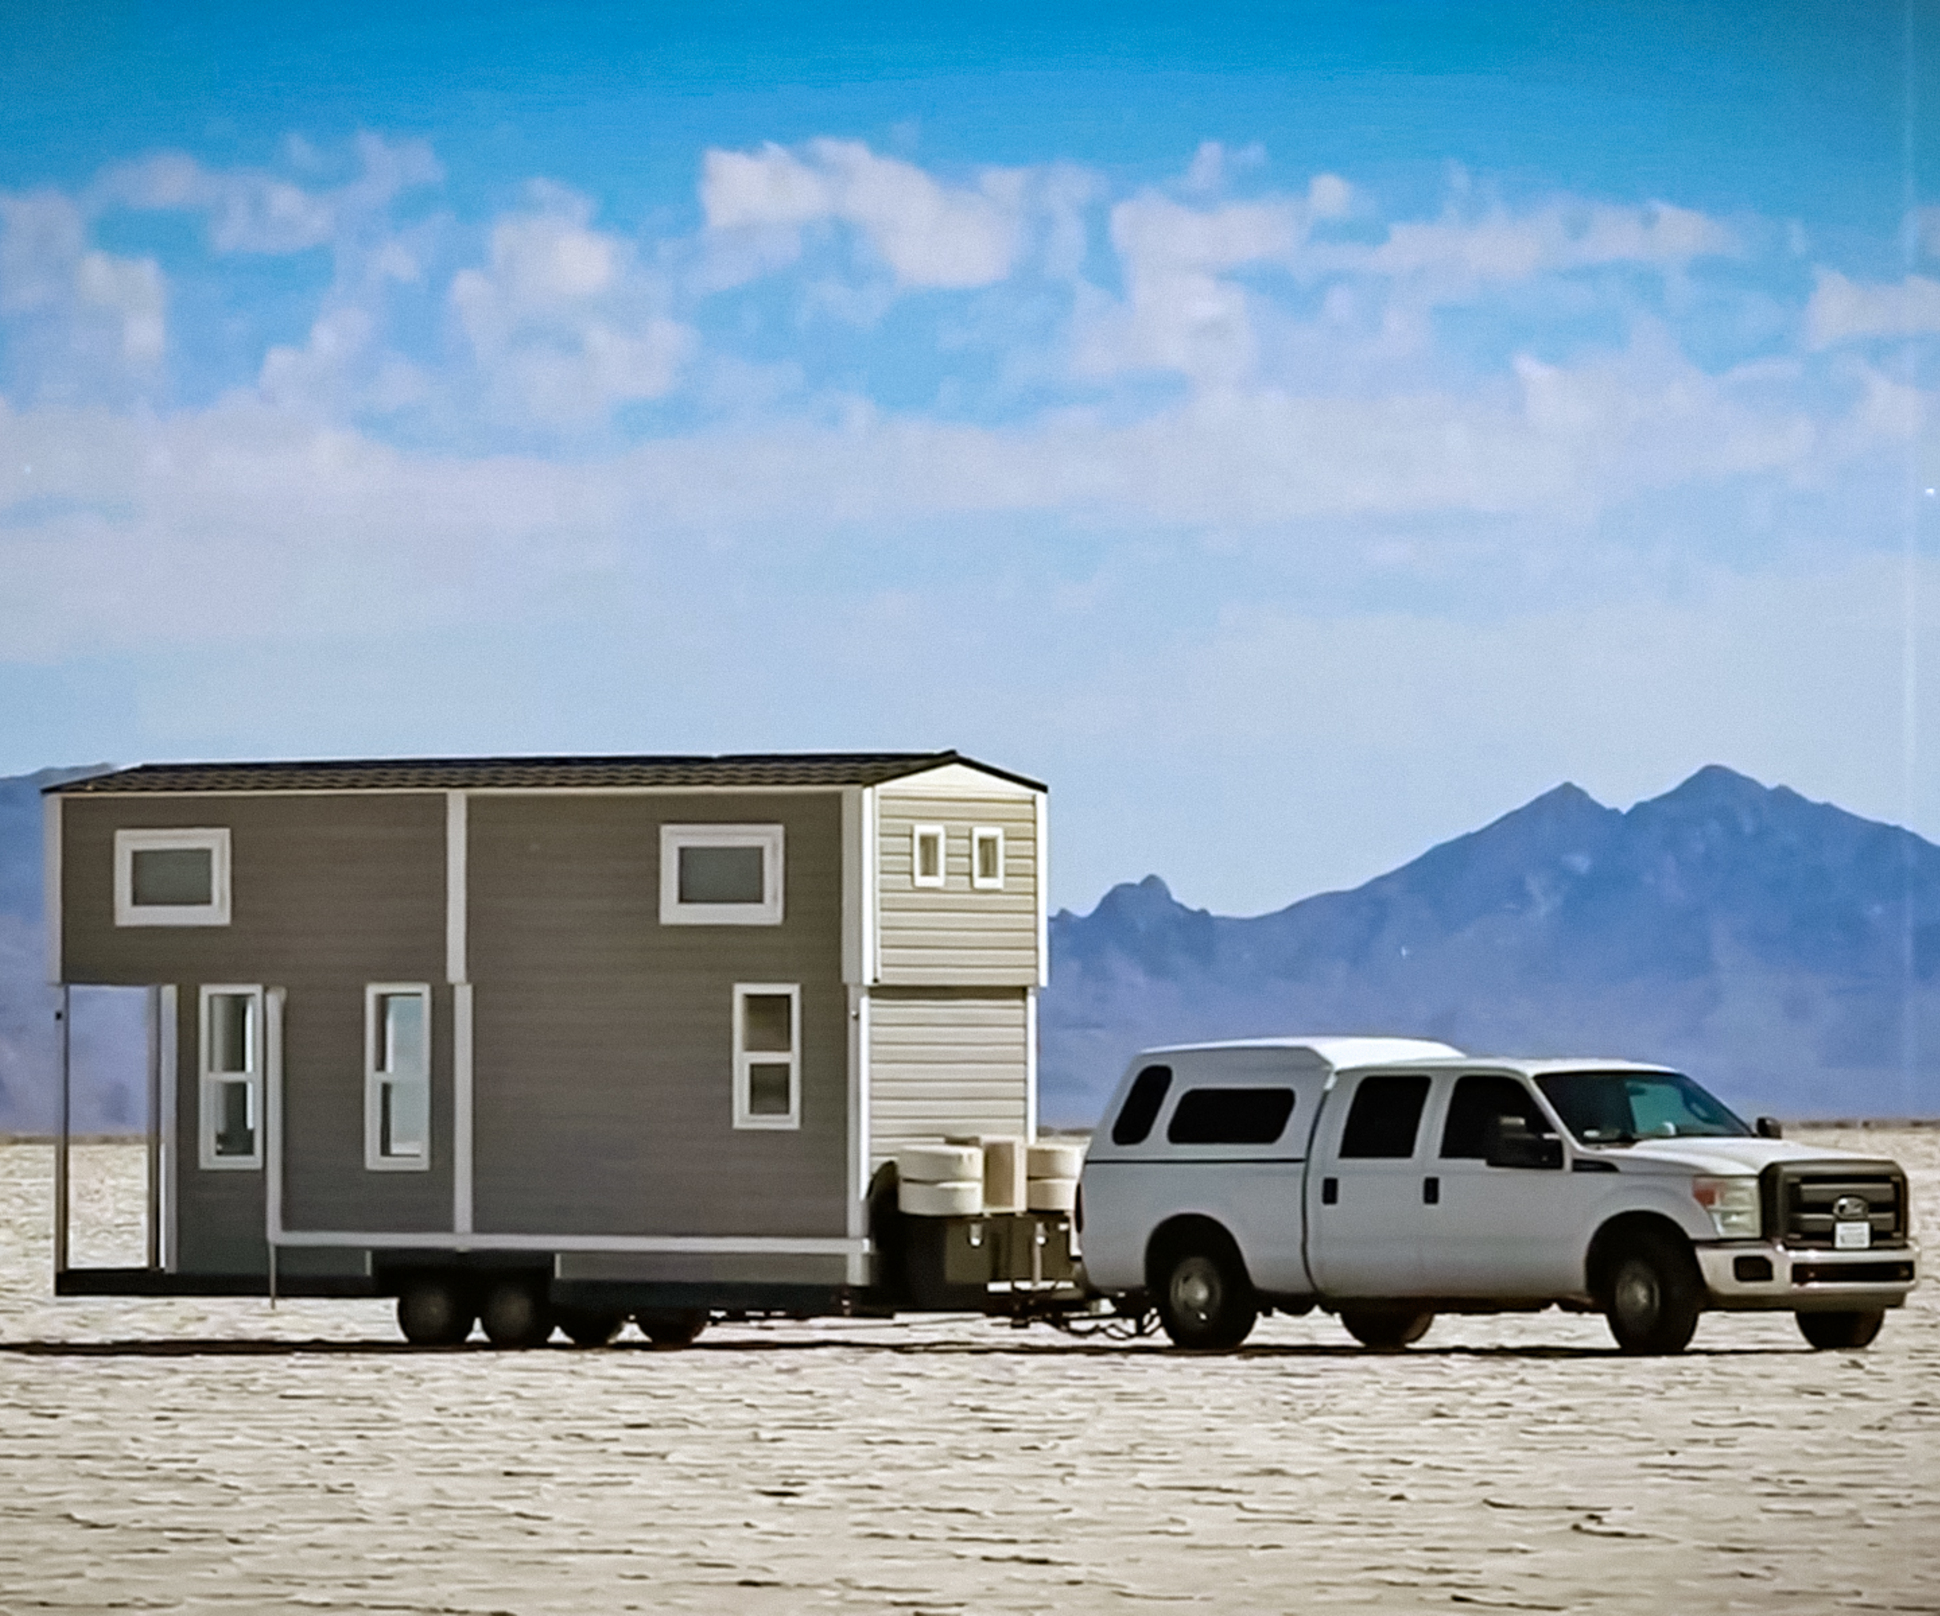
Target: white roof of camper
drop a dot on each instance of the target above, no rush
(1336, 1052)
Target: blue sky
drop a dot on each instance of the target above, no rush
(1297, 433)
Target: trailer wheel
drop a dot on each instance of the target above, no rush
(672, 1327)
(435, 1313)
(589, 1326)
(1386, 1329)
(1830, 1330)
(516, 1314)
(1204, 1298)
(1652, 1295)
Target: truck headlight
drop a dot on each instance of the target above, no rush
(1732, 1203)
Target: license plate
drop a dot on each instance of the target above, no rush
(1852, 1236)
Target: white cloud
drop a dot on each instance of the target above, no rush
(1842, 310)
(927, 233)
(86, 322)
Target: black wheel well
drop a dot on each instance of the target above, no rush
(1620, 1233)
(1188, 1231)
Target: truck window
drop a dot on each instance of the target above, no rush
(1384, 1117)
(1479, 1099)
(1230, 1116)
(1141, 1108)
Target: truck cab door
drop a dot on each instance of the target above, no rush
(1365, 1187)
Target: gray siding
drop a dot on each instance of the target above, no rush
(946, 1062)
(602, 1039)
(957, 935)
(329, 893)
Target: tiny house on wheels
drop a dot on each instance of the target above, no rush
(567, 1039)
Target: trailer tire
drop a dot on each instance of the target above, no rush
(435, 1312)
(516, 1314)
(1652, 1294)
(672, 1327)
(1829, 1331)
(590, 1326)
(1386, 1329)
(1205, 1301)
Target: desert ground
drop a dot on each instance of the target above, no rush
(224, 1456)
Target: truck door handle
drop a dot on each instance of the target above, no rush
(1431, 1192)
(1329, 1191)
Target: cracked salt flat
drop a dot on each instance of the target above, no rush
(216, 1456)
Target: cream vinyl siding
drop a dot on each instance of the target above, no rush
(946, 1063)
(957, 935)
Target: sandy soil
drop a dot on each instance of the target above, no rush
(178, 1456)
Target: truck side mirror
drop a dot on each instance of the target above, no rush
(1770, 1128)
(1511, 1144)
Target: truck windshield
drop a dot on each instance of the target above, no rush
(1619, 1108)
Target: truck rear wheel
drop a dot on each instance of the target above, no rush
(435, 1313)
(672, 1327)
(1829, 1330)
(1386, 1329)
(516, 1314)
(1652, 1295)
(1205, 1300)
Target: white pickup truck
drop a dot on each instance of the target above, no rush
(1389, 1180)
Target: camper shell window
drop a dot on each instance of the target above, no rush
(172, 877)
(721, 875)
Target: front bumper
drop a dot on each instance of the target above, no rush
(1752, 1274)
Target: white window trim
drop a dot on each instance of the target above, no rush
(743, 1059)
(768, 912)
(209, 1082)
(916, 876)
(374, 1159)
(979, 835)
(130, 842)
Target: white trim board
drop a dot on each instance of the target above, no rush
(50, 882)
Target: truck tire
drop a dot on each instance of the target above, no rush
(1386, 1329)
(516, 1314)
(672, 1327)
(1830, 1330)
(1204, 1298)
(1652, 1295)
(589, 1326)
(435, 1312)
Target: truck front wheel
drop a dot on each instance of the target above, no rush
(1829, 1330)
(1386, 1329)
(1652, 1295)
(1205, 1299)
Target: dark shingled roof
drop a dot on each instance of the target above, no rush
(751, 770)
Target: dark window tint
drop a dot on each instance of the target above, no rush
(720, 875)
(1141, 1108)
(173, 875)
(1383, 1119)
(1230, 1116)
(1478, 1101)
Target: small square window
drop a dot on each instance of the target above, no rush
(987, 858)
(397, 1076)
(926, 856)
(172, 877)
(231, 1085)
(721, 875)
(767, 1055)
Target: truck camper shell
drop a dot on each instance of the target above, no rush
(645, 1028)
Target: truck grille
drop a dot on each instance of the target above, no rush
(1800, 1197)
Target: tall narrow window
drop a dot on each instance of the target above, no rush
(397, 1075)
(926, 866)
(767, 1055)
(987, 857)
(230, 1131)
(172, 877)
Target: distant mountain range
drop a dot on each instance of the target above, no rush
(1784, 951)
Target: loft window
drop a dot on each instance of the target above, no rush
(767, 1055)
(720, 875)
(397, 1076)
(231, 1098)
(987, 858)
(172, 877)
(926, 862)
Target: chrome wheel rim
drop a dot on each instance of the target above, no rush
(1195, 1290)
